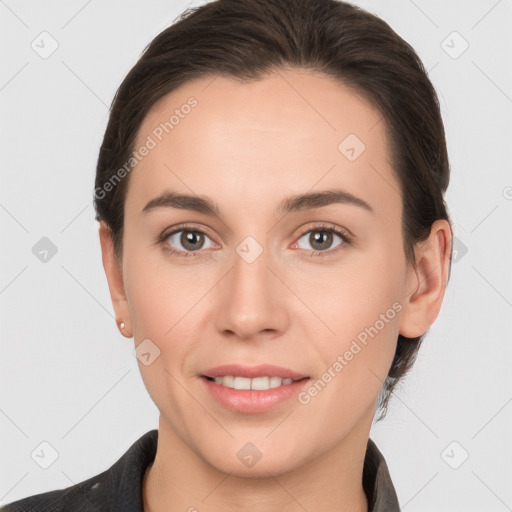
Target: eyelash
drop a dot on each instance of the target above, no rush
(322, 227)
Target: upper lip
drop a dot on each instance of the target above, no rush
(262, 370)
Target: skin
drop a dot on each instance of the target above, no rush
(247, 147)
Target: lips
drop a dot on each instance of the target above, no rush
(253, 389)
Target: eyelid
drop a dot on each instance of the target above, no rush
(346, 233)
(182, 227)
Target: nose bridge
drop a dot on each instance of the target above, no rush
(251, 302)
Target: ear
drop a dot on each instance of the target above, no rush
(427, 282)
(115, 280)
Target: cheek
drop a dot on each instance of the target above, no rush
(161, 309)
(360, 306)
(166, 306)
(159, 294)
(355, 360)
(352, 295)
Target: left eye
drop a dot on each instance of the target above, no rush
(321, 239)
(189, 240)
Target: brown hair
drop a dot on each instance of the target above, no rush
(245, 39)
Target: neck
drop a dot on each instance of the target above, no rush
(179, 480)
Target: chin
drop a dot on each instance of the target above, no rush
(252, 460)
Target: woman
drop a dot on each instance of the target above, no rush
(275, 239)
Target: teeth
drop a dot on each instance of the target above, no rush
(258, 383)
(261, 383)
(242, 383)
(275, 382)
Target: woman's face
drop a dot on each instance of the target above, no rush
(264, 281)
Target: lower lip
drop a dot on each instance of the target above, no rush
(251, 401)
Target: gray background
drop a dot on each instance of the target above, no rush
(70, 379)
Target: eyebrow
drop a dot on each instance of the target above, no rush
(307, 201)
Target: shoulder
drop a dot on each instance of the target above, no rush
(119, 488)
(78, 497)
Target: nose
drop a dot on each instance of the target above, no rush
(253, 300)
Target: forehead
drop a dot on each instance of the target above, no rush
(284, 133)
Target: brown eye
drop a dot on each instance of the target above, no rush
(322, 239)
(188, 240)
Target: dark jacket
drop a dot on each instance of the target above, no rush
(119, 488)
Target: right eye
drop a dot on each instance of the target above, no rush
(185, 241)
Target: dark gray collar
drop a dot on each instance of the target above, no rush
(377, 483)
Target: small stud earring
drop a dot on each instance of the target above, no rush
(122, 328)
(121, 325)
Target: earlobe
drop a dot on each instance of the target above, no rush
(427, 281)
(114, 275)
